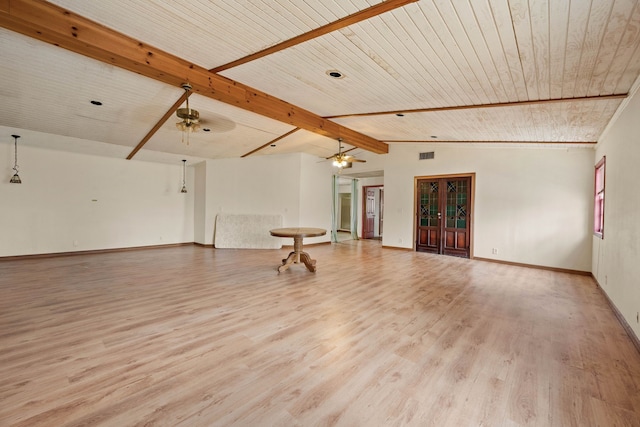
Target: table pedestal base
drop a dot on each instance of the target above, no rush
(296, 256)
(297, 233)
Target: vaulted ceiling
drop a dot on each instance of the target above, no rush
(540, 72)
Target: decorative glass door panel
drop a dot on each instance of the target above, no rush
(443, 216)
(429, 216)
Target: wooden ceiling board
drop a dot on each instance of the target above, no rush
(617, 27)
(501, 20)
(438, 54)
(54, 25)
(570, 121)
(387, 43)
(428, 63)
(131, 103)
(428, 54)
(298, 74)
(53, 94)
(303, 141)
(456, 27)
(50, 141)
(593, 40)
(213, 33)
(541, 41)
(233, 131)
(627, 56)
(558, 18)
(478, 23)
(209, 145)
(217, 115)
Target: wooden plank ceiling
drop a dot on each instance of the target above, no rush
(544, 72)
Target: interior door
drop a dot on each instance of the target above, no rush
(368, 223)
(443, 216)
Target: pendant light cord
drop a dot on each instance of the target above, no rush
(15, 144)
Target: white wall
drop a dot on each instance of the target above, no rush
(532, 204)
(200, 203)
(616, 257)
(295, 186)
(315, 196)
(72, 202)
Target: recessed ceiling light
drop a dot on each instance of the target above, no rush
(96, 102)
(206, 130)
(335, 74)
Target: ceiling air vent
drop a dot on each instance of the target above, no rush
(427, 156)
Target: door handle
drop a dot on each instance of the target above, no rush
(439, 215)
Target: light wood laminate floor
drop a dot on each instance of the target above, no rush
(193, 336)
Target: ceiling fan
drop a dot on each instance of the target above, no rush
(341, 159)
(189, 121)
(190, 118)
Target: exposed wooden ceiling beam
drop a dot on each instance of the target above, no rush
(58, 26)
(273, 141)
(436, 141)
(158, 125)
(362, 15)
(473, 107)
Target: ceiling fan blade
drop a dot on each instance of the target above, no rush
(158, 125)
(352, 159)
(334, 156)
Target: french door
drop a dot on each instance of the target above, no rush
(443, 215)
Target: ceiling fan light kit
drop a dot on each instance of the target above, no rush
(341, 160)
(15, 179)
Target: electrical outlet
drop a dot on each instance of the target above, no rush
(494, 251)
(637, 316)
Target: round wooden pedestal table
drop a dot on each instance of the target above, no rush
(298, 233)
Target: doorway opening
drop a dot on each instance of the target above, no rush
(344, 209)
(444, 213)
(344, 217)
(344, 212)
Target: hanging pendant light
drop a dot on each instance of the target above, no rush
(184, 186)
(15, 179)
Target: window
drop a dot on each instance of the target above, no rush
(598, 210)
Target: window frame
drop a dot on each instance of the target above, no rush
(598, 197)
